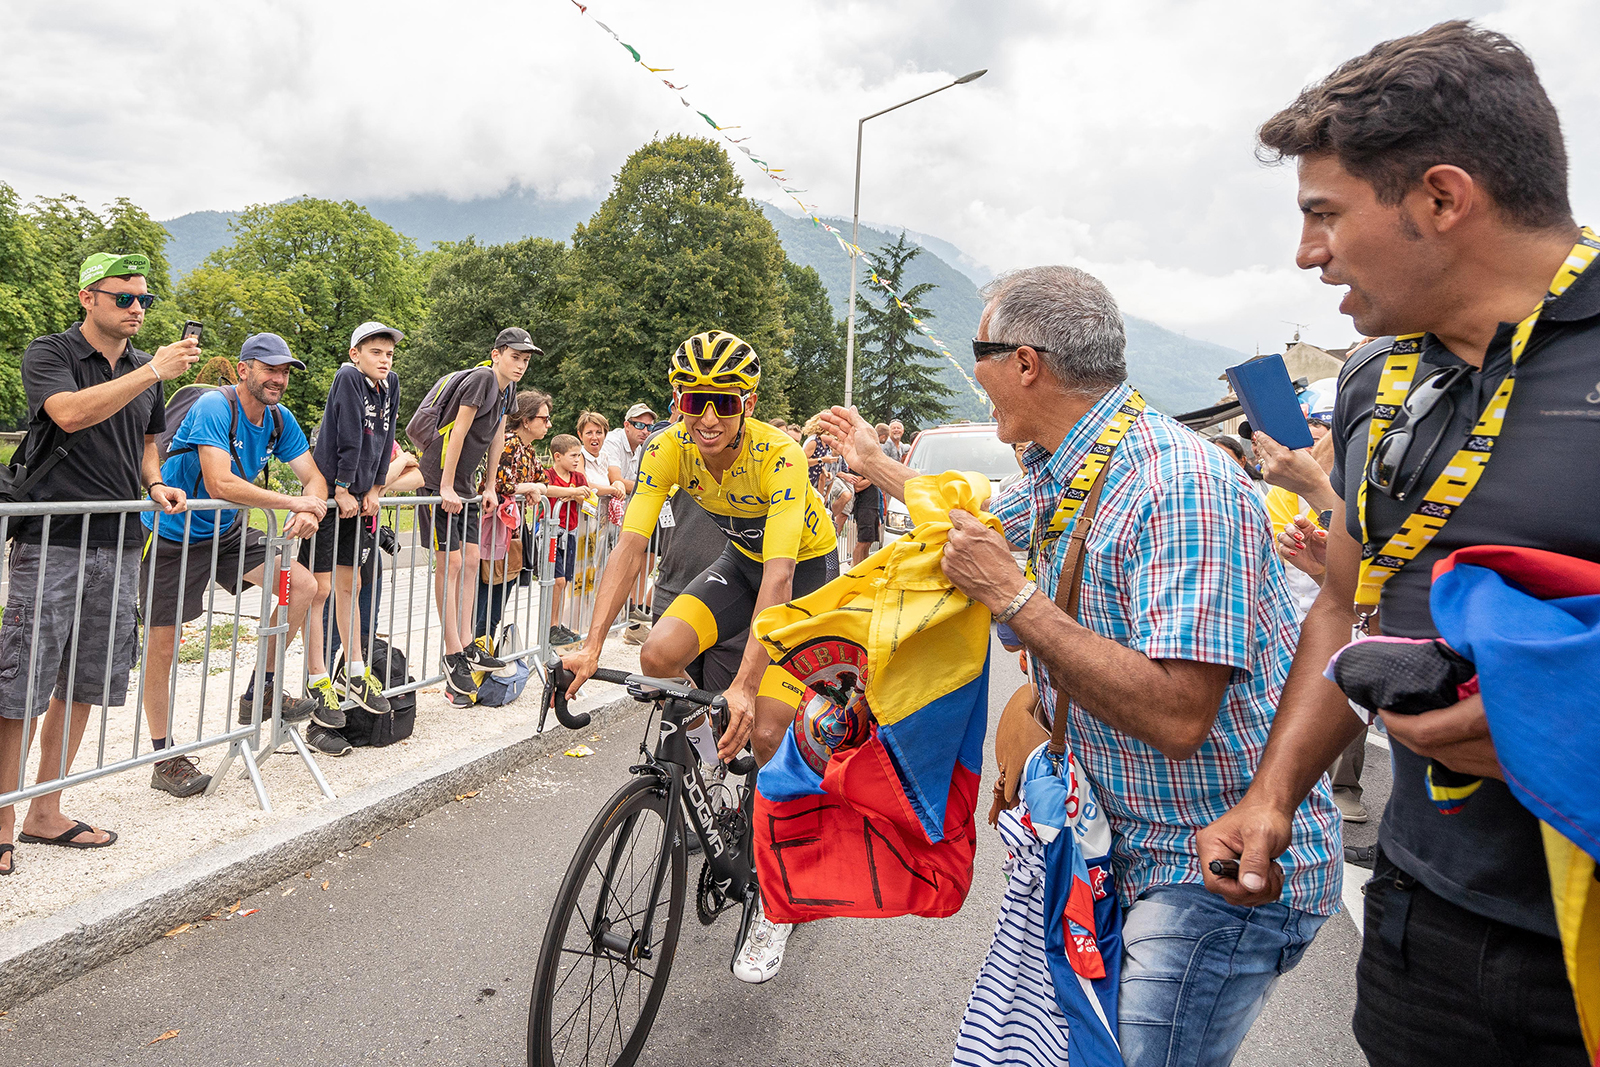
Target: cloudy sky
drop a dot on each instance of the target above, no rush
(1117, 137)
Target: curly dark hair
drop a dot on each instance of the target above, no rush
(1453, 94)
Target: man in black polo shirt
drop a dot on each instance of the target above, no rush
(88, 386)
(1433, 183)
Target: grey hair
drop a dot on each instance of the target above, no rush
(1067, 313)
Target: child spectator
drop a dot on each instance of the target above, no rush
(472, 424)
(519, 473)
(565, 481)
(352, 453)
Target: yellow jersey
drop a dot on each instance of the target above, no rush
(765, 503)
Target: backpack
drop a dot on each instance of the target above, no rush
(18, 479)
(505, 685)
(177, 410)
(424, 429)
(361, 727)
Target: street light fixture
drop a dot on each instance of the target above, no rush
(855, 231)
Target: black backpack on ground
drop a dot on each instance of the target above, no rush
(363, 728)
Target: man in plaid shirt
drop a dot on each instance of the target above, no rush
(1186, 636)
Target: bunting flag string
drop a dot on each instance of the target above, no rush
(776, 174)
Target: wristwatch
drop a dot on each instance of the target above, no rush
(1017, 602)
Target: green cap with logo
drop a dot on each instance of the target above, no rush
(111, 265)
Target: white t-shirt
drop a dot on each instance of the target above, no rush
(594, 468)
(615, 453)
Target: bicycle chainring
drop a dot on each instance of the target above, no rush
(710, 899)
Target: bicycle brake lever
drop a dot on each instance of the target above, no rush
(557, 679)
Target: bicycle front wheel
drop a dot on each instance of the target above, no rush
(602, 969)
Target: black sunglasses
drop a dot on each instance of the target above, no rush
(984, 349)
(1390, 452)
(125, 300)
(642, 425)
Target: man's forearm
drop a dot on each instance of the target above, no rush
(235, 490)
(616, 582)
(1314, 722)
(73, 411)
(776, 588)
(888, 475)
(150, 462)
(1121, 687)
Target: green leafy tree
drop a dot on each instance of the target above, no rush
(473, 292)
(816, 350)
(894, 379)
(311, 271)
(676, 249)
(69, 231)
(42, 247)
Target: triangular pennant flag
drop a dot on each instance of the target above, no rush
(631, 50)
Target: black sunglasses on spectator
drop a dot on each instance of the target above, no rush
(125, 300)
(642, 425)
(1390, 452)
(984, 349)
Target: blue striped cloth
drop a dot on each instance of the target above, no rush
(1012, 1015)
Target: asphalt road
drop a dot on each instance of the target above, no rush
(419, 950)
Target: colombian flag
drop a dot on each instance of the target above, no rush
(886, 827)
(1530, 621)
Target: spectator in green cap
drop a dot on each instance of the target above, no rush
(89, 389)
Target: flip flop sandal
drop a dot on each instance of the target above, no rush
(11, 868)
(65, 840)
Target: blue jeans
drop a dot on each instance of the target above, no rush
(1196, 972)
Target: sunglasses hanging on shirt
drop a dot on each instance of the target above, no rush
(1389, 455)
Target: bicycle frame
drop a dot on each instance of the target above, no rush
(675, 762)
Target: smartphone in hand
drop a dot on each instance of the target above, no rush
(193, 329)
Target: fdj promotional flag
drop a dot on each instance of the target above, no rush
(867, 808)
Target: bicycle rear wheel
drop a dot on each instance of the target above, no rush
(598, 984)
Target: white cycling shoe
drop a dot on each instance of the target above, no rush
(762, 954)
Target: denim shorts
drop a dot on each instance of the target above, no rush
(1196, 972)
(68, 619)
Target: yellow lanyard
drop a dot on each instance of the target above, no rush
(1460, 475)
(1078, 489)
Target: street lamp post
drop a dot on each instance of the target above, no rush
(855, 231)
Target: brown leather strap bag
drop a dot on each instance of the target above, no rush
(1024, 726)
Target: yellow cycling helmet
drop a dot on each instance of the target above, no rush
(715, 360)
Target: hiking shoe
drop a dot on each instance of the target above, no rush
(179, 776)
(479, 659)
(326, 741)
(560, 635)
(295, 709)
(366, 691)
(635, 634)
(458, 674)
(639, 615)
(1350, 806)
(762, 954)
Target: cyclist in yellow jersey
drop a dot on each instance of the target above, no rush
(751, 478)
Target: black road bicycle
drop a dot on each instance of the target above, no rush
(602, 969)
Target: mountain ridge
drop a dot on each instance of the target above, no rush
(1175, 373)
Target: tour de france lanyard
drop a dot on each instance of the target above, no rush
(1078, 489)
(1460, 476)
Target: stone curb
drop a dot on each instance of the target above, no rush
(41, 954)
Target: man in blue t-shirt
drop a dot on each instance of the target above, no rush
(217, 453)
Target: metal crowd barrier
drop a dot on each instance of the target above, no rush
(385, 606)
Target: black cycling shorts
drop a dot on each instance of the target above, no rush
(721, 602)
